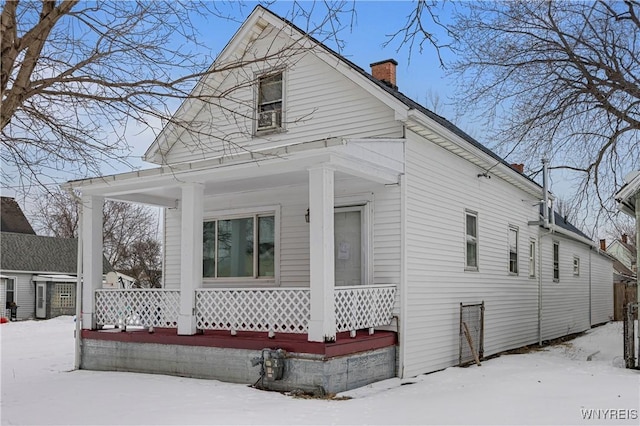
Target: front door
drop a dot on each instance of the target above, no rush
(41, 300)
(348, 245)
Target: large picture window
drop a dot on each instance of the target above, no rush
(239, 247)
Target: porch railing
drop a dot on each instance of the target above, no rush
(284, 310)
(147, 307)
(364, 306)
(274, 310)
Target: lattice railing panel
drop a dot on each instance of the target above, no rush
(359, 307)
(285, 310)
(146, 307)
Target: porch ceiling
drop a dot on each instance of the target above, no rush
(247, 172)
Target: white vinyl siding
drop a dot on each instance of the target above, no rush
(320, 103)
(565, 303)
(601, 271)
(440, 187)
(294, 231)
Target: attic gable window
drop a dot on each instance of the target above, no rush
(269, 108)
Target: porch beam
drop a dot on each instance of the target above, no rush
(322, 324)
(191, 209)
(92, 256)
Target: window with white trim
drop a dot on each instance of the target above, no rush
(471, 246)
(532, 258)
(10, 292)
(556, 261)
(576, 266)
(270, 101)
(513, 250)
(239, 247)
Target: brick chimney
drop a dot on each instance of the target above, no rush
(385, 71)
(603, 245)
(518, 167)
(624, 238)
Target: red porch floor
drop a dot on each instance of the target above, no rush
(298, 343)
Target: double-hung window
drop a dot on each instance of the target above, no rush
(239, 247)
(532, 259)
(270, 97)
(556, 261)
(513, 250)
(576, 266)
(471, 247)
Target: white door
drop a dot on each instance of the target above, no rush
(41, 300)
(348, 246)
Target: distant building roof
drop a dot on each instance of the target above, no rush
(40, 254)
(12, 219)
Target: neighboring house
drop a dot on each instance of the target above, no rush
(37, 273)
(336, 219)
(12, 219)
(625, 252)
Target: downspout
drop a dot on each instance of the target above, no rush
(78, 329)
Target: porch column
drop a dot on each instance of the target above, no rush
(190, 255)
(322, 324)
(91, 256)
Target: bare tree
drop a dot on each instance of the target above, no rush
(130, 231)
(74, 75)
(143, 261)
(559, 79)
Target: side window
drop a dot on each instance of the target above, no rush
(269, 107)
(10, 292)
(532, 259)
(513, 250)
(576, 266)
(471, 246)
(556, 261)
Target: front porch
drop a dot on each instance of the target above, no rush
(237, 327)
(302, 245)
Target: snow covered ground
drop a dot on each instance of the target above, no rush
(553, 386)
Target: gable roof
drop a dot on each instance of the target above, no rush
(12, 219)
(37, 253)
(375, 86)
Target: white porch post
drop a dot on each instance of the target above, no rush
(91, 256)
(322, 324)
(190, 255)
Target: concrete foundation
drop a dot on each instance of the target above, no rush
(307, 372)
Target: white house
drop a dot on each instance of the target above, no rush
(317, 205)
